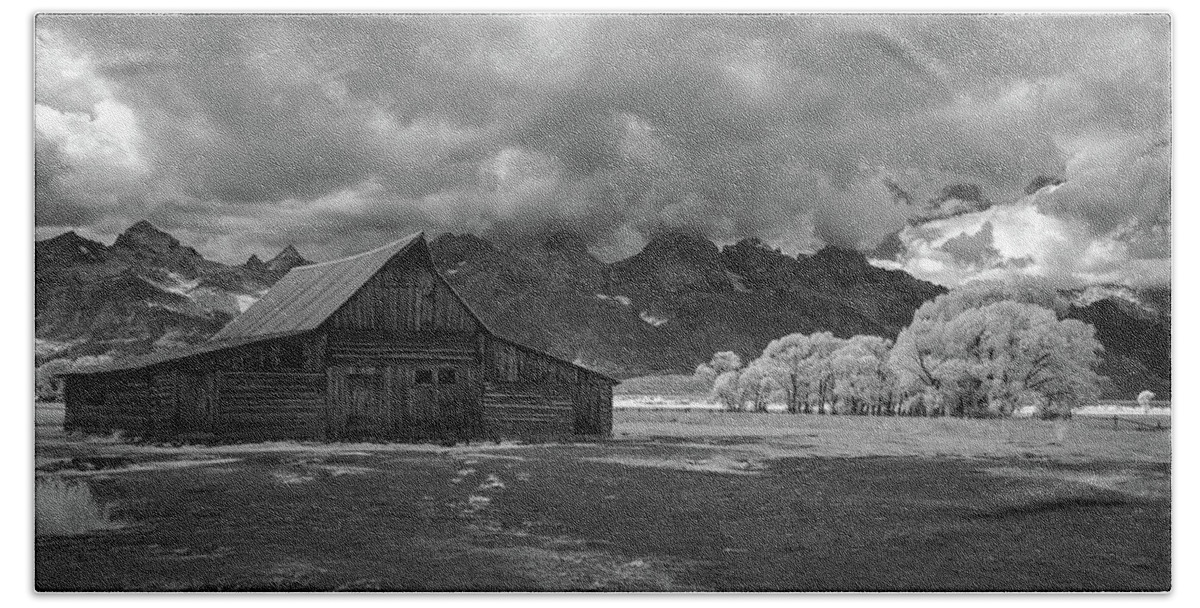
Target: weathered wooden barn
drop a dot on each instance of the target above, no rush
(376, 346)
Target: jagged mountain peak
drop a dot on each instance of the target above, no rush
(287, 259)
(832, 254)
(254, 263)
(679, 245)
(673, 261)
(144, 235)
(288, 256)
(67, 248)
(68, 236)
(68, 239)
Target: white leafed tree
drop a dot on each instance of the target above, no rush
(862, 381)
(996, 358)
(722, 362)
(799, 365)
(1144, 398)
(925, 375)
(757, 384)
(728, 391)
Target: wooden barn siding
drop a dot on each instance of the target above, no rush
(83, 398)
(163, 404)
(127, 404)
(271, 405)
(404, 297)
(513, 373)
(526, 414)
(215, 393)
(267, 355)
(355, 347)
(196, 403)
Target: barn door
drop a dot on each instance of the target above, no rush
(451, 383)
(365, 414)
(437, 400)
(423, 417)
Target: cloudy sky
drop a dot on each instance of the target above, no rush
(951, 146)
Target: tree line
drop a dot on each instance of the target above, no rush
(985, 349)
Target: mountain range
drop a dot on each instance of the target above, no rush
(663, 310)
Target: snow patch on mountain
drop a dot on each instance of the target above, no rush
(176, 284)
(623, 300)
(652, 320)
(1094, 293)
(245, 301)
(738, 281)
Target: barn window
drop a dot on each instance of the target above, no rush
(446, 376)
(291, 356)
(424, 376)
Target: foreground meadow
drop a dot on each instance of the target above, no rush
(675, 501)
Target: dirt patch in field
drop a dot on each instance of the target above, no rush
(289, 478)
(719, 463)
(336, 470)
(104, 466)
(1132, 482)
(591, 570)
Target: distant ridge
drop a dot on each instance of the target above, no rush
(662, 310)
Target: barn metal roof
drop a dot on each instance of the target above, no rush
(307, 295)
(140, 361)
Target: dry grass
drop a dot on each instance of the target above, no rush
(65, 508)
(785, 435)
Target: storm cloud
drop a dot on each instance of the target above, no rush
(240, 133)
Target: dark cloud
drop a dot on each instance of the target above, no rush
(951, 201)
(337, 132)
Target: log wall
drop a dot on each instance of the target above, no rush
(257, 406)
(512, 410)
(184, 397)
(84, 400)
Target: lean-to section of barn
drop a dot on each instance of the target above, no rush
(527, 392)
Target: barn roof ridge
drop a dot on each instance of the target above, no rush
(412, 237)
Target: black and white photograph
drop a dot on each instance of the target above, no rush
(602, 302)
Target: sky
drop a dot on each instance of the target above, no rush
(953, 147)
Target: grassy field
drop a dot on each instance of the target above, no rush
(675, 501)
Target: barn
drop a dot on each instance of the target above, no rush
(375, 346)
